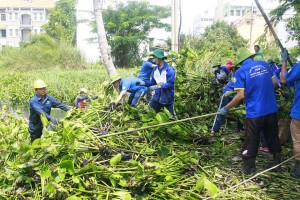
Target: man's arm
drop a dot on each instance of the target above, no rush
(237, 99)
(170, 80)
(56, 104)
(121, 97)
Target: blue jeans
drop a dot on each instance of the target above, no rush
(220, 119)
(158, 106)
(134, 98)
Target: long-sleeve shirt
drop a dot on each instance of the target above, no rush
(38, 106)
(165, 77)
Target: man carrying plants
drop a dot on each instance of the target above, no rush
(292, 77)
(130, 85)
(41, 103)
(255, 82)
(162, 82)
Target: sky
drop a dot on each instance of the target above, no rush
(189, 9)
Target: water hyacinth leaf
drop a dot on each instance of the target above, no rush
(164, 151)
(68, 165)
(123, 183)
(75, 179)
(115, 160)
(74, 198)
(44, 119)
(168, 178)
(140, 169)
(161, 117)
(46, 173)
(211, 188)
(51, 189)
(123, 195)
(199, 184)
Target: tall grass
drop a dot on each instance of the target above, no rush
(17, 86)
(39, 53)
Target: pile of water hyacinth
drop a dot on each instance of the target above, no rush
(84, 158)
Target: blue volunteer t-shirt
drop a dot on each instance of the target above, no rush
(293, 77)
(255, 77)
(146, 70)
(129, 85)
(229, 86)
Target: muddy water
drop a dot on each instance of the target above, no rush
(23, 110)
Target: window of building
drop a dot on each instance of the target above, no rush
(35, 30)
(10, 16)
(243, 12)
(16, 16)
(3, 33)
(41, 16)
(3, 17)
(35, 16)
(238, 13)
(29, 1)
(10, 32)
(17, 32)
(231, 12)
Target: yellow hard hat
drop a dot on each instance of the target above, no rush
(39, 84)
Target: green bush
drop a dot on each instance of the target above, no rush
(41, 52)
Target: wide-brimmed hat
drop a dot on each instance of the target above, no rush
(242, 54)
(270, 61)
(216, 64)
(114, 78)
(159, 53)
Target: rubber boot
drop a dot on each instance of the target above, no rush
(296, 171)
(276, 161)
(248, 166)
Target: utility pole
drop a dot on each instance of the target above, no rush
(175, 27)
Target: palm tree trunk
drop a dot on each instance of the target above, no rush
(101, 34)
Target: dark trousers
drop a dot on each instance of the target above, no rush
(134, 98)
(158, 106)
(36, 134)
(269, 125)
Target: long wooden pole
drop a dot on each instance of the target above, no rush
(271, 28)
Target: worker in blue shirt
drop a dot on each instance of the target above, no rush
(40, 103)
(145, 73)
(228, 94)
(255, 82)
(222, 73)
(162, 82)
(124, 85)
(292, 77)
(275, 69)
(82, 99)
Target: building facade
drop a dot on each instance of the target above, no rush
(202, 21)
(21, 18)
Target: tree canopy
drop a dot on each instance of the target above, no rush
(128, 25)
(62, 22)
(221, 40)
(293, 22)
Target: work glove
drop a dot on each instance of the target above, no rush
(141, 83)
(223, 111)
(52, 120)
(284, 55)
(153, 87)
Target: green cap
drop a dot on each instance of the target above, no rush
(159, 53)
(277, 61)
(114, 78)
(270, 60)
(216, 64)
(242, 54)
